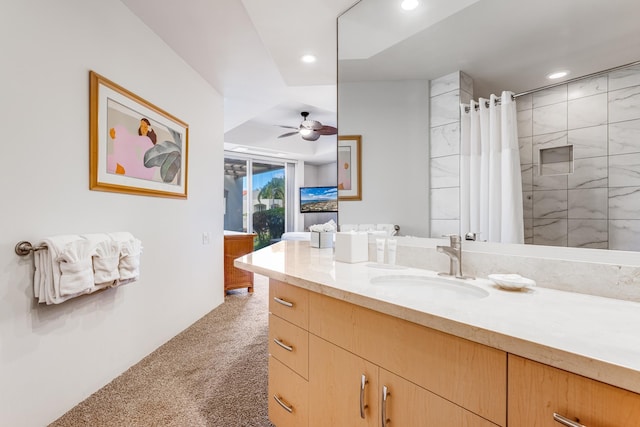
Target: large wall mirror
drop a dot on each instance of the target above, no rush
(402, 75)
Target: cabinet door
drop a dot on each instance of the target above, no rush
(335, 387)
(537, 391)
(407, 405)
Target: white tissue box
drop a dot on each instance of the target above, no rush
(321, 239)
(352, 247)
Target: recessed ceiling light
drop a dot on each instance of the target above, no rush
(409, 4)
(557, 75)
(308, 59)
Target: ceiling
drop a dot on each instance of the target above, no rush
(503, 44)
(249, 51)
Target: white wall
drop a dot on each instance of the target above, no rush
(393, 119)
(52, 357)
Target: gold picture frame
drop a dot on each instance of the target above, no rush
(135, 147)
(349, 167)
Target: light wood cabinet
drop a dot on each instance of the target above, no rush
(342, 356)
(537, 391)
(236, 245)
(336, 388)
(288, 355)
(347, 390)
(470, 375)
(433, 379)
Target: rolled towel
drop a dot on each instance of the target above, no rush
(105, 262)
(129, 266)
(76, 268)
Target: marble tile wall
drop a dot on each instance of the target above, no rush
(597, 204)
(446, 93)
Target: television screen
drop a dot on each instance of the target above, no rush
(318, 199)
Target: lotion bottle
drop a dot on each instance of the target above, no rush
(380, 251)
(392, 245)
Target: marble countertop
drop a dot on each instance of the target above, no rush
(592, 336)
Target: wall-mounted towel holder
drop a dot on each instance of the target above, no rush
(25, 248)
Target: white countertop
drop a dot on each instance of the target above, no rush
(592, 336)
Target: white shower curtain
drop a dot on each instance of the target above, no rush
(490, 180)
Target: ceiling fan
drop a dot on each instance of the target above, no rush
(309, 130)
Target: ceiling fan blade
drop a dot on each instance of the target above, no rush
(284, 135)
(327, 130)
(288, 127)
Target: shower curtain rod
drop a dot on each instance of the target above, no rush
(575, 79)
(498, 100)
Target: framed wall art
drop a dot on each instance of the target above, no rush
(349, 167)
(135, 147)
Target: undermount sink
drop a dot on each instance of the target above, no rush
(429, 287)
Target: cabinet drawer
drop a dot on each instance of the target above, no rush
(536, 391)
(288, 396)
(468, 374)
(289, 344)
(289, 302)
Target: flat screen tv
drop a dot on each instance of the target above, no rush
(318, 199)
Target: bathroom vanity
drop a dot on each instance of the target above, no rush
(354, 345)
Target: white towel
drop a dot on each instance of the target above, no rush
(105, 262)
(46, 283)
(129, 266)
(76, 268)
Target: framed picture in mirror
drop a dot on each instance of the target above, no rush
(349, 167)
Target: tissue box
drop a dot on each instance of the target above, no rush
(321, 239)
(352, 247)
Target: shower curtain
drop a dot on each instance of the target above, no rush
(490, 177)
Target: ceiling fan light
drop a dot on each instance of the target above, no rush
(305, 132)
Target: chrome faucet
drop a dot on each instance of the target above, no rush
(454, 251)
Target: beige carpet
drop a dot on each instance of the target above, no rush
(212, 374)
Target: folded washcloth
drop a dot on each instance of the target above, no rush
(76, 268)
(105, 262)
(129, 266)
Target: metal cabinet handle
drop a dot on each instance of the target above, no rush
(566, 421)
(283, 345)
(385, 395)
(283, 302)
(284, 405)
(363, 381)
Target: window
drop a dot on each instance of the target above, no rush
(257, 202)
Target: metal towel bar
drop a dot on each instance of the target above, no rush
(25, 248)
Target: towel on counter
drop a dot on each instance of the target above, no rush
(76, 268)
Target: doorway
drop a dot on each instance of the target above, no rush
(255, 197)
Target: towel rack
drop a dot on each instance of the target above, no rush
(25, 248)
